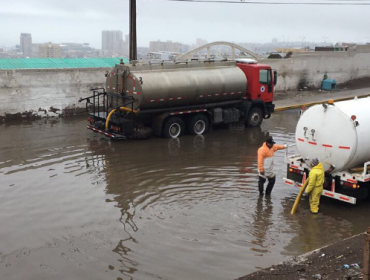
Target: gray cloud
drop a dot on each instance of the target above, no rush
(83, 21)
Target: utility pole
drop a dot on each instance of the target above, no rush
(133, 41)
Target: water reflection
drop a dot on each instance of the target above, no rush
(262, 221)
(174, 146)
(188, 178)
(336, 221)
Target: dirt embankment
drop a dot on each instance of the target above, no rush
(342, 261)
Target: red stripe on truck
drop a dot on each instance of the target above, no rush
(287, 182)
(344, 198)
(329, 194)
(344, 147)
(300, 139)
(312, 143)
(328, 146)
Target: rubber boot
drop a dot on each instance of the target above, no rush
(270, 185)
(315, 195)
(261, 182)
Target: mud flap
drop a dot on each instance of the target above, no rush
(158, 124)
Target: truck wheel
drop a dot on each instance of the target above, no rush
(142, 133)
(254, 118)
(173, 127)
(198, 125)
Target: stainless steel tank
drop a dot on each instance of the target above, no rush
(178, 84)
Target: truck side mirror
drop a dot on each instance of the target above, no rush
(275, 77)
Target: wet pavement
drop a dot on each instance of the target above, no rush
(74, 205)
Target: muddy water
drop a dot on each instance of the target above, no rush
(76, 206)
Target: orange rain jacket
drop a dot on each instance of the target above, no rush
(265, 152)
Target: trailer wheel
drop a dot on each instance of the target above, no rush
(173, 127)
(255, 118)
(198, 124)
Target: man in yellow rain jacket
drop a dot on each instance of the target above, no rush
(266, 164)
(315, 184)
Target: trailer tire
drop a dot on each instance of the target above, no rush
(255, 118)
(173, 127)
(198, 124)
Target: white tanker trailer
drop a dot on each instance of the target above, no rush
(339, 135)
(172, 98)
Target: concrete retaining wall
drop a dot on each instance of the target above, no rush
(308, 69)
(52, 92)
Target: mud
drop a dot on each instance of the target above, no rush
(334, 262)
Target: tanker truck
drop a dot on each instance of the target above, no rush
(173, 98)
(339, 135)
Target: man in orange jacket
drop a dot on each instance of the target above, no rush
(266, 164)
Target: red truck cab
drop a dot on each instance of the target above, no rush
(261, 81)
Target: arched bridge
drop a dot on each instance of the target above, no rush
(233, 46)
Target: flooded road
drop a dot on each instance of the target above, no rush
(76, 206)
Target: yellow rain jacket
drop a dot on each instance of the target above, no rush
(315, 186)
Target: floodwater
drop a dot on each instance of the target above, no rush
(74, 205)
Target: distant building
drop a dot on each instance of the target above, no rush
(158, 55)
(26, 44)
(35, 49)
(142, 52)
(200, 42)
(50, 50)
(274, 41)
(126, 48)
(168, 46)
(289, 50)
(78, 50)
(112, 42)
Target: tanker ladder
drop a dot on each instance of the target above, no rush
(102, 108)
(347, 186)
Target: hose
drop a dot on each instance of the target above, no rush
(303, 188)
(359, 169)
(114, 110)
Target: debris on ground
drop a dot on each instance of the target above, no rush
(340, 261)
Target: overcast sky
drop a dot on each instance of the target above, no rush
(83, 20)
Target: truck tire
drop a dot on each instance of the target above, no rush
(255, 118)
(142, 133)
(198, 124)
(173, 127)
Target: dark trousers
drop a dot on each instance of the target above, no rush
(270, 185)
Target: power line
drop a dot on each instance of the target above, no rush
(340, 2)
